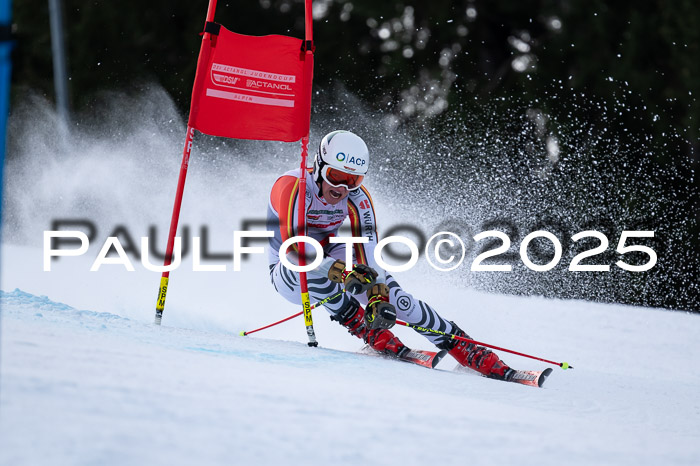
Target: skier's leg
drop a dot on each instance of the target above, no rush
(382, 340)
(287, 283)
(419, 313)
(475, 357)
(344, 309)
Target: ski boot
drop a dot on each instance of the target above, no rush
(475, 357)
(382, 340)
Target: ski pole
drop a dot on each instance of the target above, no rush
(313, 306)
(563, 365)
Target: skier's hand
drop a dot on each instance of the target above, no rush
(359, 279)
(380, 313)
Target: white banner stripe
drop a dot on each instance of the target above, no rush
(253, 99)
(216, 81)
(285, 78)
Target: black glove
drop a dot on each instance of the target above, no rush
(359, 279)
(380, 313)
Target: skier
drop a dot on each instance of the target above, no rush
(373, 299)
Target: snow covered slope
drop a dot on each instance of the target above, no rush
(92, 381)
(98, 387)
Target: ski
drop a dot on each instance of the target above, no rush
(428, 359)
(531, 378)
(422, 358)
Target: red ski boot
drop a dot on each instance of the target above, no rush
(382, 340)
(475, 357)
(385, 341)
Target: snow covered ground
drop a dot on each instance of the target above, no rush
(86, 378)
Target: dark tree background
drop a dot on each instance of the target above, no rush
(388, 51)
(626, 69)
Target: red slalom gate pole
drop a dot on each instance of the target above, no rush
(301, 223)
(563, 365)
(308, 50)
(163, 288)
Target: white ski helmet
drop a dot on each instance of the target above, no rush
(342, 160)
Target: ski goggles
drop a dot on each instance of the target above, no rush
(337, 178)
